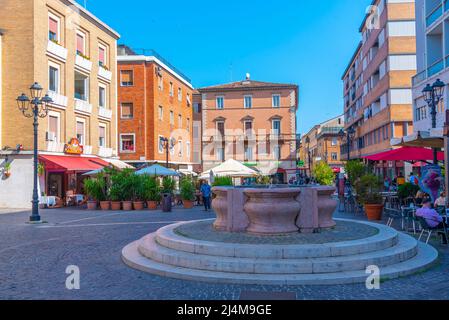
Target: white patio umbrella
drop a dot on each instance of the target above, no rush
(230, 168)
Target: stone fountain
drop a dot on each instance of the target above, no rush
(278, 236)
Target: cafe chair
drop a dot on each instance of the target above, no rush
(429, 230)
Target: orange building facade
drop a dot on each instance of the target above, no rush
(155, 101)
(253, 122)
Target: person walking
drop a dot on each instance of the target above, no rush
(206, 192)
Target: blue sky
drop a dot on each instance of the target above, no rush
(308, 43)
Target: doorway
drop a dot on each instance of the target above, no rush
(55, 184)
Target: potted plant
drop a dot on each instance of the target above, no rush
(368, 189)
(168, 186)
(103, 196)
(187, 192)
(407, 190)
(138, 192)
(152, 192)
(92, 189)
(222, 182)
(355, 169)
(40, 169)
(7, 168)
(126, 189)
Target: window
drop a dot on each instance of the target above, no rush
(161, 113)
(127, 110)
(188, 100)
(80, 43)
(188, 125)
(53, 28)
(220, 154)
(180, 148)
(172, 118)
(248, 153)
(53, 127)
(80, 131)
(197, 107)
(334, 142)
(102, 136)
(248, 127)
(160, 82)
(172, 90)
(126, 78)
(277, 152)
(179, 94)
(188, 149)
(180, 120)
(102, 56)
(277, 127)
(220, 103)
(53, 79)
(161, 144)
(334, 156)
(220, 128)
(102, 96)
(276, 101)
(248, 102)
(81, 86)
(127, 143)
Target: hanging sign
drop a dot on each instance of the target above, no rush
(73, 147)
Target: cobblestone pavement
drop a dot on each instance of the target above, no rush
(33, 260)
(343, 231)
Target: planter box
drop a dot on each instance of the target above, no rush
(104, 74)
(83, 63)
(57, 51)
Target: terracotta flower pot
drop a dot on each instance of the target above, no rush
(116, 205)
(152, 205)
(138, 205)
(7, 174)
(374, 211)
(105, 205)
(188, 204)
(91, 205)
(127, 205)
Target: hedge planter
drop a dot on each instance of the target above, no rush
(138, 205)
(152, 205)
(127, 205)
(116, 205)
(91, 205)
(188, 204)
(374, 211)
(105, 205)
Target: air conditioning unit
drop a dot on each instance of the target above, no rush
(50, 136)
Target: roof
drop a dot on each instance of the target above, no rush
(248, 84)
(94, 19)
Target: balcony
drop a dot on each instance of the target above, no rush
(105, 113)
(54, 146)
(83, 106)
(435, 68)
(83, 63)
(87, 150)
(420, 77)
(57, 50)
(105, 152)
(59, 100)
(104, 74)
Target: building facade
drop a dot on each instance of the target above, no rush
(323, 144)
(155, 102)
(253, 122)
(432, 41)
(377, 81)
(72, 54)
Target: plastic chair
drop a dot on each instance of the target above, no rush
(426, 228)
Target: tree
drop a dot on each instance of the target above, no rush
(355, 169)
(324, 174)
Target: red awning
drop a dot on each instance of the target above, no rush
(336, 170)
(70, 163)
(410, 154)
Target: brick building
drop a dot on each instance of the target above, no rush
(72, 54)
(253, 122)
(155, 102)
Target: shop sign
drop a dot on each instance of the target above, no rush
(73, 147)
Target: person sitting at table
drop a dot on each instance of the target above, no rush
(420, 196)
(441, 201)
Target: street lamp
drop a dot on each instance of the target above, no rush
(308, 155)
(35, 108)
(349, 134)
(433, 95)
(166, 147)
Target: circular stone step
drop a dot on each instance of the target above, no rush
(424, 259)
(405, 249)
(385, 238)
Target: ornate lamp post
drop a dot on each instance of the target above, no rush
(433, 95)
(166, 147)
(35, 108)
(308, 155)
(349, 135)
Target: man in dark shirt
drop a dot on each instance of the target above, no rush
(206, 193)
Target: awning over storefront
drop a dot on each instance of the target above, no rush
(420, 139)
(409, 154)
(72, 163)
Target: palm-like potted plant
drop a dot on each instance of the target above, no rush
(93, 192)
(368, 189)
(126, 189)
(138, 192)
(152, 192)
(187, 192)
(7, 168)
